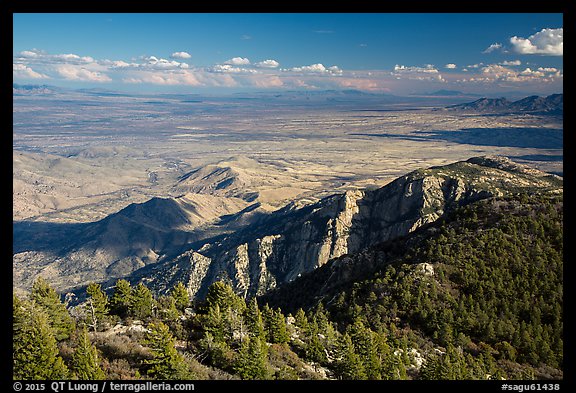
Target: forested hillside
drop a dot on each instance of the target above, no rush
(476, 295)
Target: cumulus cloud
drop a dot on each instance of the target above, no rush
(492, 48)
(317, 68)
(23, 71)
(450, 66)
(180, 55)
(492, 73)
(267, 64)
(545, 42)
(511, 63)
(76, 73)
(152, 62)
(238, 61)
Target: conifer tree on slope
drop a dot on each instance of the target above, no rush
(35, 353)
(166, 362)
(85, 362)
(48, 299)
(97, 305)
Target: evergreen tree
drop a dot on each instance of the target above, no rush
(221, 294)
(97, 305)
(34, 350)
(213, 324)
(349, 365)
(300, 319)
(85, 361)
(315, 350)
(166, 362)
(278, 334)
(181, 296)
(251, 360)
(47, 298)
(167, 310)
(254, 322)
(364, 344)
(142, 302)
(121, 299)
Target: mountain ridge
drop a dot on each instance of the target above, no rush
(552, 104)
(159, 242)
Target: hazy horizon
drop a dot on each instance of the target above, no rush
(399, 54)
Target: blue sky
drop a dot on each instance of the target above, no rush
(389, 53)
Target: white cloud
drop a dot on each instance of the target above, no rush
(494, 73)
(267, 64)
(450, 66)
(23, 71)
(545, 42)
(427, 73)
(492, 48)
(529, 71)
(29, 54)
(43, 57)
(180, 55)
(152, 62)
(317, 68)
(429, 69)
(227, 68)
(511, 63)
(547, 69)
(77, 73)
(238, 61)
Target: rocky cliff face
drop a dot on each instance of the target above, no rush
(294, 240)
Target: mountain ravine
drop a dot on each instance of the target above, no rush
(294, 240)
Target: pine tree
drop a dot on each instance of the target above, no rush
(364, 344)
(121, 299)
(47, 298)
(300, 319)
(166, 362)
(181, 296)
(251, 360)
(97, 305)
(222, 294)
(253, 319)
(142, 302)
(85, 361)
(34, 350)
(278, 334)
(213, 324)
(315, 350)
(349, 365)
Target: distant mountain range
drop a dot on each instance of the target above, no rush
(552, 104)
(32, 89)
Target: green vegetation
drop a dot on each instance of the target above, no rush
(476, 295)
